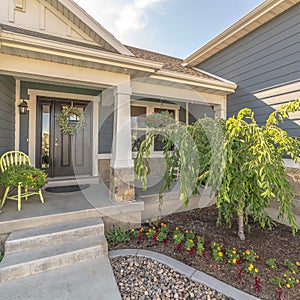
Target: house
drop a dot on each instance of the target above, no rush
(53, 55)
(261, 54)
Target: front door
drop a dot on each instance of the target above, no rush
(62, 154)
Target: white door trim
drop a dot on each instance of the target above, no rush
(33, 94)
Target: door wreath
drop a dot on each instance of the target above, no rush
(68, 126)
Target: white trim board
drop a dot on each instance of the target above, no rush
(33, 94)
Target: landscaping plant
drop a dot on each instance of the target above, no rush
(240, 160)
(117, 235)
(28, 175)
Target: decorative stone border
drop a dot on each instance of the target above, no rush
(187, 271)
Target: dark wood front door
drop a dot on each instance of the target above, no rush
(62, 154)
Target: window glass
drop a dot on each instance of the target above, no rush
(45, 136)
(158, 140)
(138, 127)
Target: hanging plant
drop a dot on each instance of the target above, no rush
(68, 126)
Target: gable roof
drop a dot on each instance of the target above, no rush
(90, 22)
(19, 40)
(170, 63)
(260, 15)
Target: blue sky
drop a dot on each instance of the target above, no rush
(173, 27)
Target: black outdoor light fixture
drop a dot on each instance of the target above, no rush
(23, 107)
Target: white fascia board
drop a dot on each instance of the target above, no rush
(215, 76)
(195, 81)
(239, 29)
(95, 26)
(72, 51)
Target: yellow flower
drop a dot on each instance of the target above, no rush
(175, 236)
(234, 260)
(284, 275)
(219, 248)
(297, 281)
(294, 272)
(256, 270)
(191, 241)
(272, 266)
(288, 285)
(186, 231)
(176, 228)
(247, 252)
(132, 230)
(220, 254)
(188, 249)
(233, 252)
(298, 263)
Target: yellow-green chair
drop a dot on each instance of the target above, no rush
(16, 158)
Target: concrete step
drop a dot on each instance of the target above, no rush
(61, 181)
(26, 263)
(93, 280)
(34, 238)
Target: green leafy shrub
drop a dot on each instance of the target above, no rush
(271, 263)
(217, 251)
(213, 152)
(28, 175)
(200, 245)
(117, 235)
(178, 236)
(291, 266)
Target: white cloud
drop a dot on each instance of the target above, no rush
(123, 18)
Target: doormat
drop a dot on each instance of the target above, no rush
(67, 188)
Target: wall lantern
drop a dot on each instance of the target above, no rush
(23, 107)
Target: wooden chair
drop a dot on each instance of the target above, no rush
(16, 158)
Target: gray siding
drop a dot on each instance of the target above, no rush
(7, 114)
(265, 58)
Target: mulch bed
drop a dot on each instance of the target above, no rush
(278, 243)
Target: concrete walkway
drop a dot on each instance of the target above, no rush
(92, 280)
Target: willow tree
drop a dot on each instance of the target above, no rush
(240, 160)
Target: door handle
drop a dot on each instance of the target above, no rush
(56, 142)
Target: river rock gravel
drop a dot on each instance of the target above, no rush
(142, 278)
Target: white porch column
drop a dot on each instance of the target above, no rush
(220, 110)
(121, 164)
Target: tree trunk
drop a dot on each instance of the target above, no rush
(241, 233)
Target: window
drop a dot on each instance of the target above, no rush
(139, 111)
(138, 127)
(158, 140)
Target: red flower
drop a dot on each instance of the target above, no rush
(238, 262)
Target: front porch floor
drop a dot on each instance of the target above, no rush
(64, 207)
